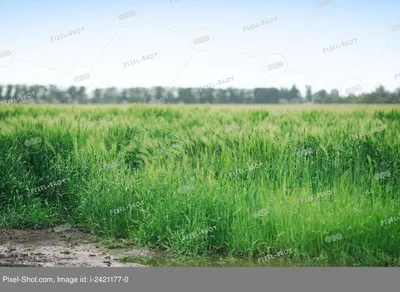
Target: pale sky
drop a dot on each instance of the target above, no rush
(293, 41)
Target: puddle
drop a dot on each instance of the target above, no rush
(161, 259)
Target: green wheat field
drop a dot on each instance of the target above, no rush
(320, 181)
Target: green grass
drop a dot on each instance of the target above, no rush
(175, 171)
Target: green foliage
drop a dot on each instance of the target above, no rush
(160, 95)
(173, 166)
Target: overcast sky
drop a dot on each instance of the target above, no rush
(191, 43)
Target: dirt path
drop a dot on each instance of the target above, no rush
(62, 247)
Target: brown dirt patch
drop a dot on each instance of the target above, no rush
(63, 247)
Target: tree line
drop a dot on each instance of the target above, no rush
(52, 94)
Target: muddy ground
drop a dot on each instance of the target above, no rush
(59, 247)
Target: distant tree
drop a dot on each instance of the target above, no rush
(16, 92)
(320, 96)
(110, 95)
(382, 96)
(334, 96)
(72, 94)
(396, 95)
(309, 94)
(81, 94)
(124, 96)
(8, 91)
(160, 95)
(97, 95)
(185, 95)
(247, 95)
(220, 96)
(134, 95)
(55, 94)
(267, 95)
(40, 93)
(294, 94)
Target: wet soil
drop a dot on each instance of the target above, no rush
(67, 247)
(61, 247)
